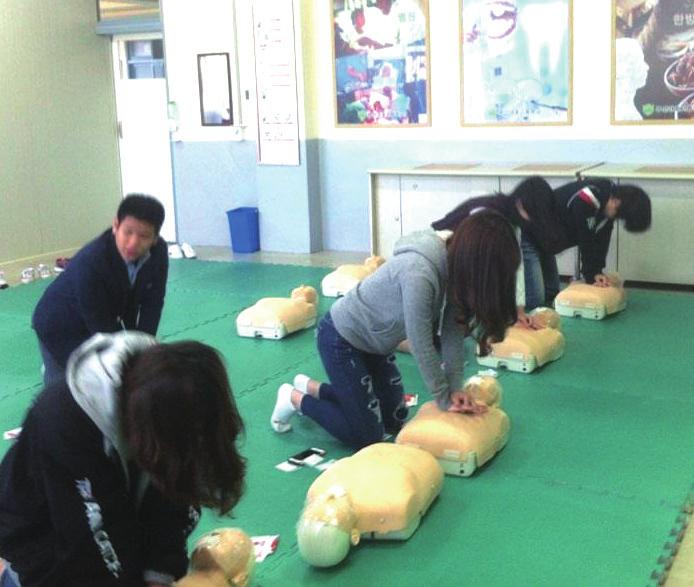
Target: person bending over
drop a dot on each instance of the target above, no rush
(584, 214)
(106, 480)
(117, 281)
(432, 292)
(527, 208)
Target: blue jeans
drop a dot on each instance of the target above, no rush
(9, 578)
(52, 370)
(541, 275)
(364, 397)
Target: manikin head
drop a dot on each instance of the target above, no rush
(374, 262)
(327, 528)
(223, 557)
(305, 292)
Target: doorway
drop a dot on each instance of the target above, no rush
(143, 122)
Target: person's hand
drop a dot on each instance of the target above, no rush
(601, 280)
(463, 402)
(527, 321)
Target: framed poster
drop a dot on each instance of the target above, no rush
(516, 58)
(652, 61)
(381, 62)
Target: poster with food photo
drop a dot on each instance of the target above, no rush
(653, 61)
(381, 62)
(516, 61)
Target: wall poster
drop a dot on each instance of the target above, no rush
(516, 62)
(381, 62)
(652, 61)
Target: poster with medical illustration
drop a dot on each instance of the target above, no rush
(653, 61)
(381, 58)
(516, 62)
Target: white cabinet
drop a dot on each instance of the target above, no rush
(425, 199)
(405, 201)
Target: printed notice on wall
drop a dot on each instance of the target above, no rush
(275, 72)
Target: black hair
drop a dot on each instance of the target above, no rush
(634, 207)
(181, 423)
(143, 207)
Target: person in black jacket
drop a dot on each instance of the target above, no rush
(106, 480)
(584, 214)
(530, 210)
(117, 281)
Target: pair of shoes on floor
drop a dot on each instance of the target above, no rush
(43, 271)
(284, 409)
(3, 281)
(27, 275)
(61, 264)
(184, 250)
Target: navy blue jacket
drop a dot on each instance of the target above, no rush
(94, 294)
(582, 222)
(68, 515)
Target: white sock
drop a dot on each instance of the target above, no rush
(301, 382)
(284, 409)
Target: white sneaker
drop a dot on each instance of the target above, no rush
(188, 251)
(3, 281)
(175, 251)
(43, 271)
(28, 275)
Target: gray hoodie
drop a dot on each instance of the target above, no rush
(406, 298)
(93, 375)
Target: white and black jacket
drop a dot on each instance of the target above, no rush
(73, 509)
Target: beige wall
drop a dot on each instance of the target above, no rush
(59, 170)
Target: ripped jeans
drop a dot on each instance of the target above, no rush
(364, 397)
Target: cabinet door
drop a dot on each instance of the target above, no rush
(567, 261)
(386, 225)
(426, 198)
(662, 254)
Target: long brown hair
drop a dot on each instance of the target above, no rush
(182, 424)
(483, 257)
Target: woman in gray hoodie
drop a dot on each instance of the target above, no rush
(433, 292)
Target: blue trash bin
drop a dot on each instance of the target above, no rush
(243, 227)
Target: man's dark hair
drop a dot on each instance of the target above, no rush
(144, 208)
(181, 423)
(634, 207)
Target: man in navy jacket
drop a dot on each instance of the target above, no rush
(115, 282)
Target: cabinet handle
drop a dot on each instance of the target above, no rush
(415, 186)
(397, 219)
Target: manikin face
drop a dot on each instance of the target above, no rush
(133, 237)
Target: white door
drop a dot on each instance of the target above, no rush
(143, 122)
